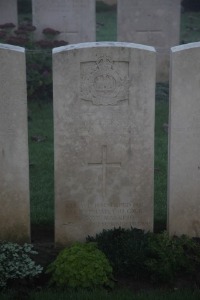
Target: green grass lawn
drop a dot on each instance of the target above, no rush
(104, 295)
(41, 163)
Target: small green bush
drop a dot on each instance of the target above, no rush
(15, 262)
(169, 257)
(157, 257)
(81, 266)
(125, 248)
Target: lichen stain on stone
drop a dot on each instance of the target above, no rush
(3, 153)
(17, 234)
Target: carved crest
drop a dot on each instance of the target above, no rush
(104, 82)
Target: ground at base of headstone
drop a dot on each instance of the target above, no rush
(43, 241)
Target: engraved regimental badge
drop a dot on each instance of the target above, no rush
(104, 82)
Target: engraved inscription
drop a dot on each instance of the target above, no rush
(104, 82)
(104, 164)
(108, 215)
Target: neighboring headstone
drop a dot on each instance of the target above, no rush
(8, 12)
(151, 22)
(75, 19)
(184, 142)
(104, 138)
(14, 171)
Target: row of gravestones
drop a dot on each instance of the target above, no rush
(104, 102)
(155, 23)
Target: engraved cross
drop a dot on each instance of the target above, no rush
(104, 165)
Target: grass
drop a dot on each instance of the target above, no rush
(190, 27)
(104, 295)
(106, 24)
(41, 163)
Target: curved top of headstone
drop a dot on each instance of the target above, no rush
(185, 47)
(11, 47)
(103, 44)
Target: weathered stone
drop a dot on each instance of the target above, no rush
(75, 19)
(151, 22)
(14, 173)
(104, 138)
(8, 12)
(184, 145)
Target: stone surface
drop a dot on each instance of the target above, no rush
(14, 171)
(184, 145)
(104, 138)
(151, 22)
(75, 19)
(8, 12)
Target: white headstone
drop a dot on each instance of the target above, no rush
(14, 171)
(75, 19)
(151, 22)
(8, 12)
(104, 138)
(184, 142)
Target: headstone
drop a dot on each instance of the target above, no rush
(14, 171)
(184, 145)
(104, 138)
(8, 12)
(151, 22)
(75, 19)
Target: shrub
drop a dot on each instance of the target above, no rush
(39, 75)
(169, 257)
(158, 257)
(81, 265)
(15, 262)
(125, 248)
(39, 61)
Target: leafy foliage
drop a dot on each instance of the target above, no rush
(81, 265)
(15, 262)
(39, 75)
(156, 256)
(169, 257)
(38, 56)
(125, 249)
